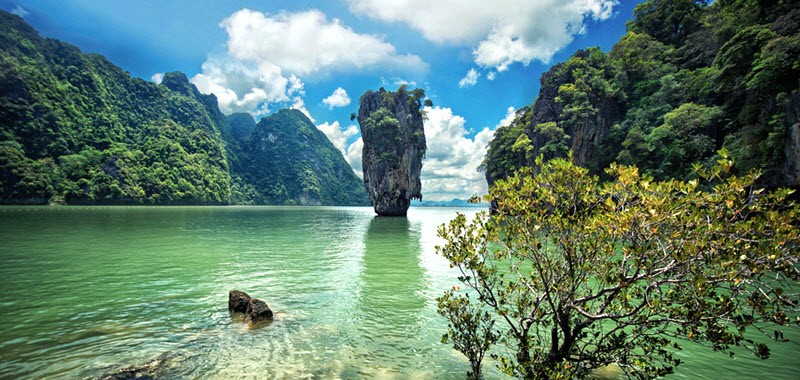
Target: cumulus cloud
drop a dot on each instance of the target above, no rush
(307, 42)
(450, 169)
(268, 54)
(338, 98)
(338, 135)
(505, 31)
(403, 82)
(511, 113)
(353, 156)
(246, 87)
(470, 79)
(397, 82)
(157, 78)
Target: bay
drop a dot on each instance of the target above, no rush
(87, 291)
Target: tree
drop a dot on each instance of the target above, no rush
(501, 159)
(581, 274)
(555, 140)
(471, 329)
(668, 21)
(684, 138)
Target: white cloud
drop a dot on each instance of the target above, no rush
(246, 87)
(397, 82)
(470, 79)
(491, 75)
(450, 169)
(20, 11)
(338, 98)
(503, 32)
(307, 42)
(337, 135)
(511, 114)
(268, 54)
(353, 156)
(157, 78)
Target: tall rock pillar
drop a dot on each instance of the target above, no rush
(394, 145)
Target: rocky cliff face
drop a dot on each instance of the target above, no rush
(394, 144)
(664, 98)
(600, 110)
(572, 114)
(791, 166)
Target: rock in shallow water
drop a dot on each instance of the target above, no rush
(238, 301)
(257, 311)
(394, 144)
(168, 365)
(254, 309)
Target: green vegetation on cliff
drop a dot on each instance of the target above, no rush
(687, 79)
(392, 127)
(75, 128)
(287, 160)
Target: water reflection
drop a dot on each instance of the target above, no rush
(391, 297)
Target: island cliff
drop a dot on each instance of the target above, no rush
(686, 80)
(394, 144)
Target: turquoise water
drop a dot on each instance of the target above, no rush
(89, 290)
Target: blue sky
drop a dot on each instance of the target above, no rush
(477, 60)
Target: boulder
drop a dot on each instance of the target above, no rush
(238, 301)
(258, 311)
(254, 309)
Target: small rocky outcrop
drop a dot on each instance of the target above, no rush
(254, 309)
(257, 311)
(238, 301)
(394, 144)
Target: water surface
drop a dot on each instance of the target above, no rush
(89, 290)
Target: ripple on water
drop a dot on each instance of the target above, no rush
(102, 289)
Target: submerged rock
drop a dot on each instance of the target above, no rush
(394, 143)
(166, 366)
(254, 309)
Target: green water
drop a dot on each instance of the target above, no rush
(89, 290)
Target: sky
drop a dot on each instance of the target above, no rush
(478, 61)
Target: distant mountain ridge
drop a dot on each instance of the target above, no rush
(76, 129)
